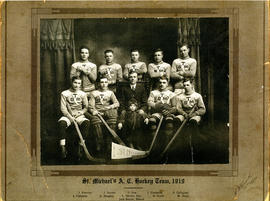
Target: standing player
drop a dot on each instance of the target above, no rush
(183, 67)
(135, 66)
(74, 104)
(103, 102)
(158, 69)
(111, 70)
(86, 70)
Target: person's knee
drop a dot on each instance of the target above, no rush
(169, 119)
(62, 124)
(152, 120)
(193, 122)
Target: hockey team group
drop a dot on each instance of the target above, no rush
(151, 98)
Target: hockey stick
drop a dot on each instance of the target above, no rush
(176, 133)
(155, 136)
(112, 132)
(152, 143)
(88, 155)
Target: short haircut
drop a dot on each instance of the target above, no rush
(184, 44)
(132, 72)
(134, 50)
(107, 51)
(158, 50)
(188, 79)
(75, 78)
(84, 47)
(164, 77)
(101, 76)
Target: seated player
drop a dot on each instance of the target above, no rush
(187, 101)
(135, 66)
(74, 104)
(162, 102)
(183, 67)
(86, 70)
(189, 106)
(132, 121)
(158, 69)
(103, 102)
(111, 70)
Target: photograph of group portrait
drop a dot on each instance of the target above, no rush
(134, 91)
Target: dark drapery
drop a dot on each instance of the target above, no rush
(189, 33)
(56, 57)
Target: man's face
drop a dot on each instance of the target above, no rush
(158, 56)
(104, 83)
(184, 52)
(133, 78)
(163, 84)
(109, 57)
(76, 84)
(135, 56)
(187, 86)
(84, 54)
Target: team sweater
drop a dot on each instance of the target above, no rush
(164, 97)
(73, 102)
(185, 103)
(187, 67)
(88, 73)
(154, 70)
(99, 100)
(139, 68)
(113, 72)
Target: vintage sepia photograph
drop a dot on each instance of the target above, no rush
(134, 91)
(134, 100)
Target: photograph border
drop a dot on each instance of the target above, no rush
(234, 188)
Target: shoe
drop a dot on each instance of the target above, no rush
(63, 152)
